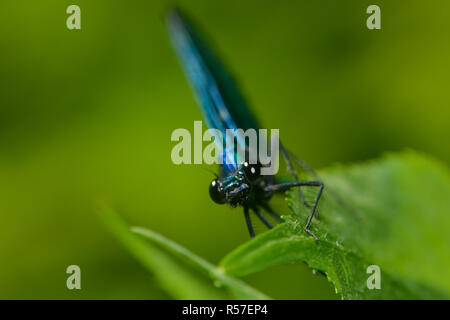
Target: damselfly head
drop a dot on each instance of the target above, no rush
(235, 188)
(216, 192)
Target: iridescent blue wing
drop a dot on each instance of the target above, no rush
(217, 94)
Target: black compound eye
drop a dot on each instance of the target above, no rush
(215, 193)
(251, 171)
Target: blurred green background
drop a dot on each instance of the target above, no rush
(88, 114)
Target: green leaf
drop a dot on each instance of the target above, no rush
(394, 213)
(181, 273)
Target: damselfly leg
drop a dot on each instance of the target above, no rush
(330, 191)
(262, 218)
(291, 169)
(289, 185)
(287, 157)
(249, 222)
(271, 212)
